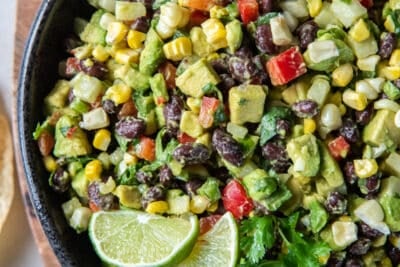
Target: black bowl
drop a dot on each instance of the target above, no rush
(39, 72)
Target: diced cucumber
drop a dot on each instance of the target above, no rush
(80, 219)
(86, 87)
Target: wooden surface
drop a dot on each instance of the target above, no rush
(26, 10)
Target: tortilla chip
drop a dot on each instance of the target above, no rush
(6, 170)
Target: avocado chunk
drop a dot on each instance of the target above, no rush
(129, 196)
(80, 184)
(87, 88)
(329, 168)
(391, 164)
(210, 190)
(382, 130)
(259, 185)
(57, 99)
(190, 124)
(318, 216)
(178, 202)
(241, 171)
(132, 77)
(304, 153)
(152, 54)
(70, 143)
(195, 77)
(246, 103)
(390, 186)
(277, 199)
(159, 88)
(391, 208)
(234, 35)
(199, 42)
(92, 32)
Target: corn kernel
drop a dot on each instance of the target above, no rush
(199, 204)
(215, 33)
(135, 39)
(130, 159)
(50, 163)
(309, 126)
(314, 7)
(389, 24)
(93, 170)
(335, 98)
(355, 100)
(116, 32)
(194, 104)
(100, 53)
(359, 32)
(160, 207)
(102, 139)
(213, 207)
(127, 56)
(395, 58)
(365, 168)
(390, 72)
(342, 109)
(178, 49)
(119, 93)
(342, 75)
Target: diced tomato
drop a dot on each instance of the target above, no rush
(146, 149)
(93, 206)
(72, 66)
(286, 66)
(204, 5)
(339, 147)
(235, 200)
(184, 138)
(197, 17)
(206, 223)
(208, 107)
(367, 3)
(168, 70)
(248, 10)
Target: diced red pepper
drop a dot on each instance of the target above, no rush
(72, 66)
(93, 206)
(208, 107)
(184, 138)
(339, 147)
(235, 200)
(206, 223)
(197, 17)
(248, 10)
(367, 3)
(286, 66)
(146, 149)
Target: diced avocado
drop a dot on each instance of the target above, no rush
(80, 219)
(210, 189)
(365, 48)
(348, 12)
(69, 207)
(249, 145)
(152, 54)
(277, 199)
(70, 143)
(325, 17)
(79, 106)
(297, 197)
(246, 103)
(199, 42)
(129, 196)
(390, 186)
(304, 153)
(132, 77)
(160, 115)
(159, 88)
(204, 139)
(234, 35)
(195, 77)
(80, 184)
(93, 33)
(327, 236)
(259, 185)
(144, 103)
(190, 124)
(318, 216)
(151, 122)
(241, 171)
(391, 208)
(329, 168)
(87, 88)
(391, 90)
(295, 92)
(382, 130)
(178, 202)
(57, 98)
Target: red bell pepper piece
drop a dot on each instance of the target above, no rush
(286, 66)
(208, 107)
(146, 149)
(248, 10)
(184, 138)
(339, 147)
(367, 3)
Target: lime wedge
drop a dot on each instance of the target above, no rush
(217, 247)
(135, 238)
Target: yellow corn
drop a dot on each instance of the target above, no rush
(178, 49)
(309, 126)
(314, 7)
(119, 93)
(102, 139)
(355, 100)
(390, 72)
(50, 163)
(130, 159)
(204, 139)
(199, 204)
(342, 75)
(395, 58)
(135, 39)
(218, 12)
(360, 31)
(160, 207)
(342, 109)
(93, 170)
(100, 53)
(172, 16)
(335, 98)
(215, 33)
(194, 104)
(116, 32)
(213, 207)
(389, 24)
(365, 168)
(127, 56)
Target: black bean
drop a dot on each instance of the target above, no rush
(364, 116)
(263, 38)
(104, 202)
(396, 83)
(360, 247)
(60, 181)
(140, 24)
(109, 106)
(130, 127)
(277, 156)
(336, 203)
(336, 259)
(220, 65)
(227, 82)
(242, 69)
(191, 186)
(172, 113)
(370, 185)
(387, 45)
(144, 177)
(191, 153)
(221, 174)
(165, 176)
(394, 255)
(94, 68)
(354, 262)
(227, 147)
(307, 32)
(282, 127)
(152, 194)
(349, 173)
(305, 108)
(349, 130)
(244, 51)
(266, 6)
(368, 232)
